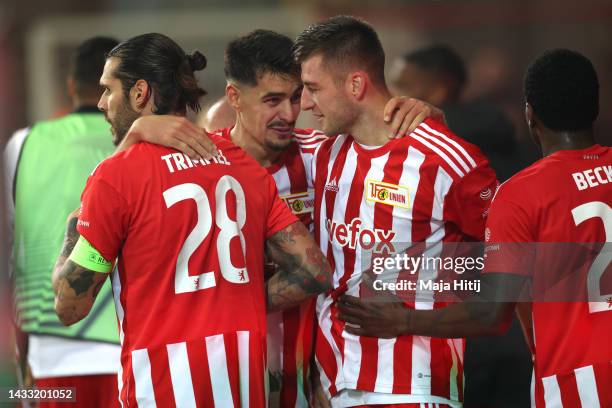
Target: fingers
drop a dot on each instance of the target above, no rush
(196, 139)
(416, 121)
(404, 117)
(358, 331)
(392, 106)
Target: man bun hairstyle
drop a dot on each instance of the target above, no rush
(563, 90)
(163, 64)
(261, 51)
(345, 42)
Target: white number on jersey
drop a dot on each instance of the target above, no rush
(228, 229)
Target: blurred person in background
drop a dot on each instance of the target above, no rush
(219, 115)
(47, 165)
(438, 75)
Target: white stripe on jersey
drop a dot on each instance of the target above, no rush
(552, 393)
(243, 369)
(141, 369)
(445, 147)
(440, 153)
(324, 303)
(587, 387)
(282, 180)
(451, 141)
(116, 284)
(217, 365)
(180, 374)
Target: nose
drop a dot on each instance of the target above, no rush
(287, 113)
(306, 101)
(102, 103)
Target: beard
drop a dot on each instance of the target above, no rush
(122, 121)
(340, 119)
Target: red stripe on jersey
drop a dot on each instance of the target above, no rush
(291, 320)
(296, 170)
(160, 377)
(257, 371)
(326, 358)
(423, 201)
(128, 391)
(441, 362)
(200, 374)
(402, 361)
(231, 353)
(569, 390)
(603, 379)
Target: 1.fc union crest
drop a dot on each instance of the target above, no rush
(387, 193)
(300, 203)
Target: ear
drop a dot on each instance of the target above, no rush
(140, 94)
(233, 96)
(356, 84)
(530, 117)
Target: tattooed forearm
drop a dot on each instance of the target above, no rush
(303, 271)
(76, 292)
(70, 239)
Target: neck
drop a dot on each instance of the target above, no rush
(370, 128)
(244, 139)
(555, 141)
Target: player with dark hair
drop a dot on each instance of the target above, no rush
(368, 190)
(189, 236)
(566, 197)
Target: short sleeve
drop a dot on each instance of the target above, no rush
(508, 239)
(279, 216)
(468, 200)
(103, 219)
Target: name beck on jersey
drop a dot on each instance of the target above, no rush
(593, 177)
(180, 161)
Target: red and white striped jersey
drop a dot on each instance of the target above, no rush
(565, 197)
(439, 188)
(189, 285)
(291, 332)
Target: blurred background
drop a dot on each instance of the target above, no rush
(495, 39)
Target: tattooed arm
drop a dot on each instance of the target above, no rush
(75, 287)
(302, 272)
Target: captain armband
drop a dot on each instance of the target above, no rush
(85, 255)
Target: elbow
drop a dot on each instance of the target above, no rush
(67, 314)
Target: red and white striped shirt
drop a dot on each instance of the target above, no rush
(291, 332)
(441, 188)
(189, 284)
(565, 197)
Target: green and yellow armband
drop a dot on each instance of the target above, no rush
(85, 255)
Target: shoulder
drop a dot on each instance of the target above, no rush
(441, 146)
(308, 139)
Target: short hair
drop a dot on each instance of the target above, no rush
(345, 41)
(262, 51)
(562, 88)
(443, 62)
(87, 63)
(163, 64)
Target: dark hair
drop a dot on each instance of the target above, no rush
(562, 88)
(442, 62)
(87, 64)
(161, 62)
(257, 53)
(345, 41)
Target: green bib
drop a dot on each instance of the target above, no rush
(55, 161)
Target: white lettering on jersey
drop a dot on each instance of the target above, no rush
(180, 161)
(593, 177)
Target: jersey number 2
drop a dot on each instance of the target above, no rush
(597, 209)
(228, 229)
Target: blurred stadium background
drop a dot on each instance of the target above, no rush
(496, 38)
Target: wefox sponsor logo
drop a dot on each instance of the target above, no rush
(355, 236)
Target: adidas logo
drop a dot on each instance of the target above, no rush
(333, 186)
